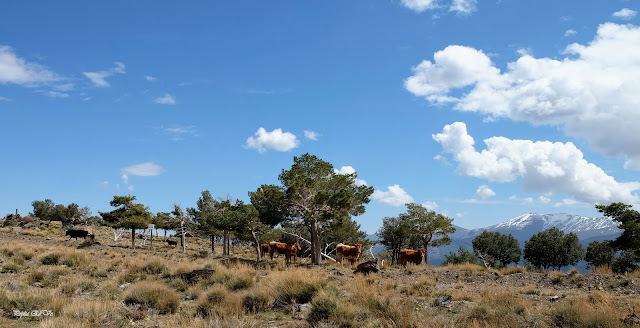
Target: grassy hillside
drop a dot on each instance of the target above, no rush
(112, 285)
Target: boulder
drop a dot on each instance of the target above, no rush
(194, 276)
(443, 300)
(367, 267)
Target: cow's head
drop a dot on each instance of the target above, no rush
(67, 233)
(422, 251)
(359, 247)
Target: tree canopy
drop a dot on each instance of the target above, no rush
(127, 215)
(551, 248)
(497, 249)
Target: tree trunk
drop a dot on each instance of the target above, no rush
(316, 251)
(426, 256)
(224, 243)
(229, 243)
(256, 244)
(133, 238)
(213, 248)
(165, 234)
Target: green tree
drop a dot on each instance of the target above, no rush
(599, 254)
(268, 201)
(551, 248)
(497, 249)
(315, 194)
(395, 234)
(463, 256)
(629, 220)
(624, 262)
(205, 216)
(427, 226)
(68, 215)
(128, 215)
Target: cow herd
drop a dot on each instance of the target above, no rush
(290, 250)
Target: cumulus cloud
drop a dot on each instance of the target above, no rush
(463, 6)
(147, 169)
(592, 93)
(350, 170)
(542, 166)
(430, 206)
(625, 13)
(17, 70)
(395, 196)
(485, 192)
(99, 78)
(276, 140)
(4, 98)
(150, 78)
(167, 99)
(569, 33)
(419, 5)
(311, 135)
(544, 199)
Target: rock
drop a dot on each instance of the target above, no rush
(367, 267)
(442, 300)
(631, 320)
(123, 286)
(554, 298)
(194, 276)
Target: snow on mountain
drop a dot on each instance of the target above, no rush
(583, 226)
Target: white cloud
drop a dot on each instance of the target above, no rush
(592, 93)
(566, 202)
(99, 78)
(167, 99)
(569, 33)
(4, 98)
(625, 14)
(485, 192)
(543, 166)
(350, 170)
(528, 200)
(130, 187)
(150, 78)
(177, 133)
(513, 197)
(465, 7)
(276, 140)
(430, 206)
(16, 70)
(103, 183)
(56, 94)
(419, 5)
(311, 135)
(395, 196)
(147, 169)
(544, 200)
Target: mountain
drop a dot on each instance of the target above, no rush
(522, 227)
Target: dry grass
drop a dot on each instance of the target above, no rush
(122, 287)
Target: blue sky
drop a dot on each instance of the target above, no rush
(164, 100)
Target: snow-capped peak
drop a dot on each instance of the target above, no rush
(565, 222)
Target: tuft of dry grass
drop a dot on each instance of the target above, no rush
(154, 295)
(603, 269)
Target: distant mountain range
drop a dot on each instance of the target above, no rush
(524, 226)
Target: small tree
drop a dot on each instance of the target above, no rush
(497, 249)
(551, 248)
(463, 256)
(629, 219)
(395, 234)
(599, 254)
(127, 214)
(427, 225)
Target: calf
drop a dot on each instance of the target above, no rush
(276, 247)
(171, 242)
(348, 252)
(264, 249)
(291, 252)
(411, 256)
(76, 234)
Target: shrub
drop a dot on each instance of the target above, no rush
(51, 259)
(10, 268)
(257, 301)
(323, 306)
(152, 295)
(155, 267)
(240, 283)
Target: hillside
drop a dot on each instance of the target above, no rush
(111, 285)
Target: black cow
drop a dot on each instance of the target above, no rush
(171, 242)
(76, 234)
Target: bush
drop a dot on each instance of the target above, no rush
(51, 259)
(155, 267)
(10, 268)
(257, 301)
(240, 283)
(152, 295)
(214, 297)
(323, 307)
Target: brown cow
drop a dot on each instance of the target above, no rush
(348, 252)
(291, 252)
(264, 249)
(409, 255)
(276, 247)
